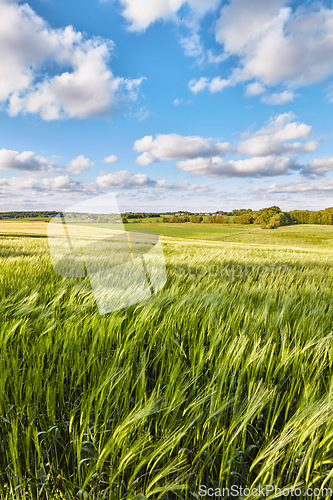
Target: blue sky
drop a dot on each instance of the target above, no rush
(169, 104)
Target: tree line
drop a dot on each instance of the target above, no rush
(268, 218)
(27, 215)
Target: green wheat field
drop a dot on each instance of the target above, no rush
(224, 377)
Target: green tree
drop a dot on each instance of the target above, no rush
(246, 218)
(278, 220)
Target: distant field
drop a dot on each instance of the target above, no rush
(306, 235)
(23, 226)
(188, 229)
(185, 230)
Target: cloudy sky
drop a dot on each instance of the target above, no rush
(170, 104)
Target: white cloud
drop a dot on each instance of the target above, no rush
(26, 160)
(250, 167)
(145, 159)
(284, 129)
(273, 139)
(79, 165)
(270, 151)
(254, 89)
(272, 42)
(240, 22)
(319, 166)
(142, 113)
(110, 159)
(198, 85)
(213, 85)
(13, 184)
(215, 58)
(60, 183)
(123, 179)
(39, 186)
(192, 45)
(278, 98)
(141, 13)
(90, 89)
(36, 184)
(276, 44)
(322, 188)
(83, 84)
(177, 101)
(266, 145)
(176, 147)
(217, 84)
(186, 186)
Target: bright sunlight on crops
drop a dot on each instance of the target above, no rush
(223, 377)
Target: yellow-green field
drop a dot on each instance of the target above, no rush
(225, 377)
(23, 227)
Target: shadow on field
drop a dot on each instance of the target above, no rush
(7, 251)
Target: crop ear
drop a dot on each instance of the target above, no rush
(67, 259)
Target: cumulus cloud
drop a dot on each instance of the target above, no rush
(176, 147)
(271, 44)
(13, 184)
(270, 151)
(110, 159)
(249, 167)
(60, 183)
(319, 166)
(284, 129)
(145, 159)
(140, 13)
(192, 46)
(35, 184)
(278, 98)
(83, 85)
(78, 165)
(123, 179)
(276, 44)
(213, 85)
(187, 186)
(273, 139)
(198, 85)
(275, 98)
(254, 89)
(321, 188)
(26, 160)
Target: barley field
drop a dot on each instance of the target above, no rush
(225, 377)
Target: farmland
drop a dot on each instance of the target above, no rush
(224, 377)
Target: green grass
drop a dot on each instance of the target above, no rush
(299, 235)
(224, 377)
(190, 230)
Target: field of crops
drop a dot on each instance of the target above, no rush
(225, 377)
